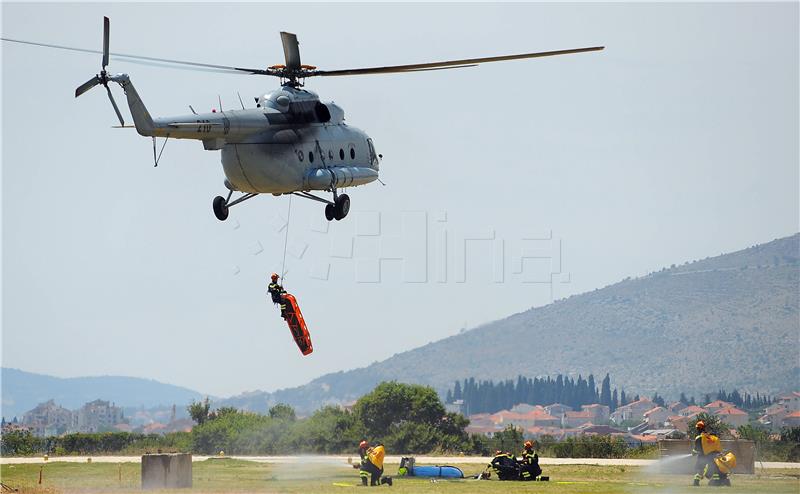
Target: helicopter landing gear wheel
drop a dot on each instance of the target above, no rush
(220, 208)
(330, 212)
(342, 207)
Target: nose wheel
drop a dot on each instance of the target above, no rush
(221, 208)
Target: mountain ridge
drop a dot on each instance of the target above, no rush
(22, 391)
(650, 333)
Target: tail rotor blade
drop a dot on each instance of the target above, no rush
(87, 86)
(116, 108)
(106, 29)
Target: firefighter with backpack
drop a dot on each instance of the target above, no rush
(371, 466)
(712, 462)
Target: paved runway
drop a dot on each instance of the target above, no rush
(330, 460)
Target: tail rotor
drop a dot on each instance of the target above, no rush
(102, 77)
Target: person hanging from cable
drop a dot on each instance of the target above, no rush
(277, 293)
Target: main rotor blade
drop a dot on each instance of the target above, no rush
(87, 86)
(449, 63)
(106, 32)
(291, 50)
(137, 58)
(116, 108)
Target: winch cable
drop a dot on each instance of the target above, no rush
(286, 240)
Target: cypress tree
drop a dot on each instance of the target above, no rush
(593, 398)
(605, 391)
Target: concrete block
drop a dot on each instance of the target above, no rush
(167, 471)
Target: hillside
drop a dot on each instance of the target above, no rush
(22, 391)
(730, 321)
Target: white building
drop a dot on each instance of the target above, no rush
(48, 419)
(96, 416)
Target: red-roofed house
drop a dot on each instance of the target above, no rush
(675, 407)
(632, 411)
(656, 416)
(543, 419)
(691, 411)
(557, 409)
(679, 423)
(792, 420)
(481, 420)
(775, 414)
(733, 416)
(575, 419)
(600, 413)
(524, 420)
(601, 430)
(486, 430)
(718, 405)
(538, 431)
(790, 401)
(525, 408)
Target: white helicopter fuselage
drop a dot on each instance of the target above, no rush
(290, 142)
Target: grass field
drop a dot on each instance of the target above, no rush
(235, 476)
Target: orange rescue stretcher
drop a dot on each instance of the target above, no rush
(297, 325)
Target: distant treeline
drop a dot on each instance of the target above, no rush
(490, 397)
(748, 402)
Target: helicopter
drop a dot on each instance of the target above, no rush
(290, 143)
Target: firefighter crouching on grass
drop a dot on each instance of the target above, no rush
(504, 465)
(529, 465)
(706, 447)
(372, 464)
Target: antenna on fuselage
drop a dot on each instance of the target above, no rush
(240, 99)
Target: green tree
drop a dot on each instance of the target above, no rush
(713, 424)
(605, 391)
(391, 404)
(222, 412)
(329, 430)
(756, 434)
(509, 439)
(282, 411)
(198, 410)
(20, 443)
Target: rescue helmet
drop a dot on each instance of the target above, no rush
(700, 425)
(363, 444)
(528, 445)
(274, 276)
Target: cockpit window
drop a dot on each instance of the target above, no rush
(372, 156)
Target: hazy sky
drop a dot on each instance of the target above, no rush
(677, 142)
